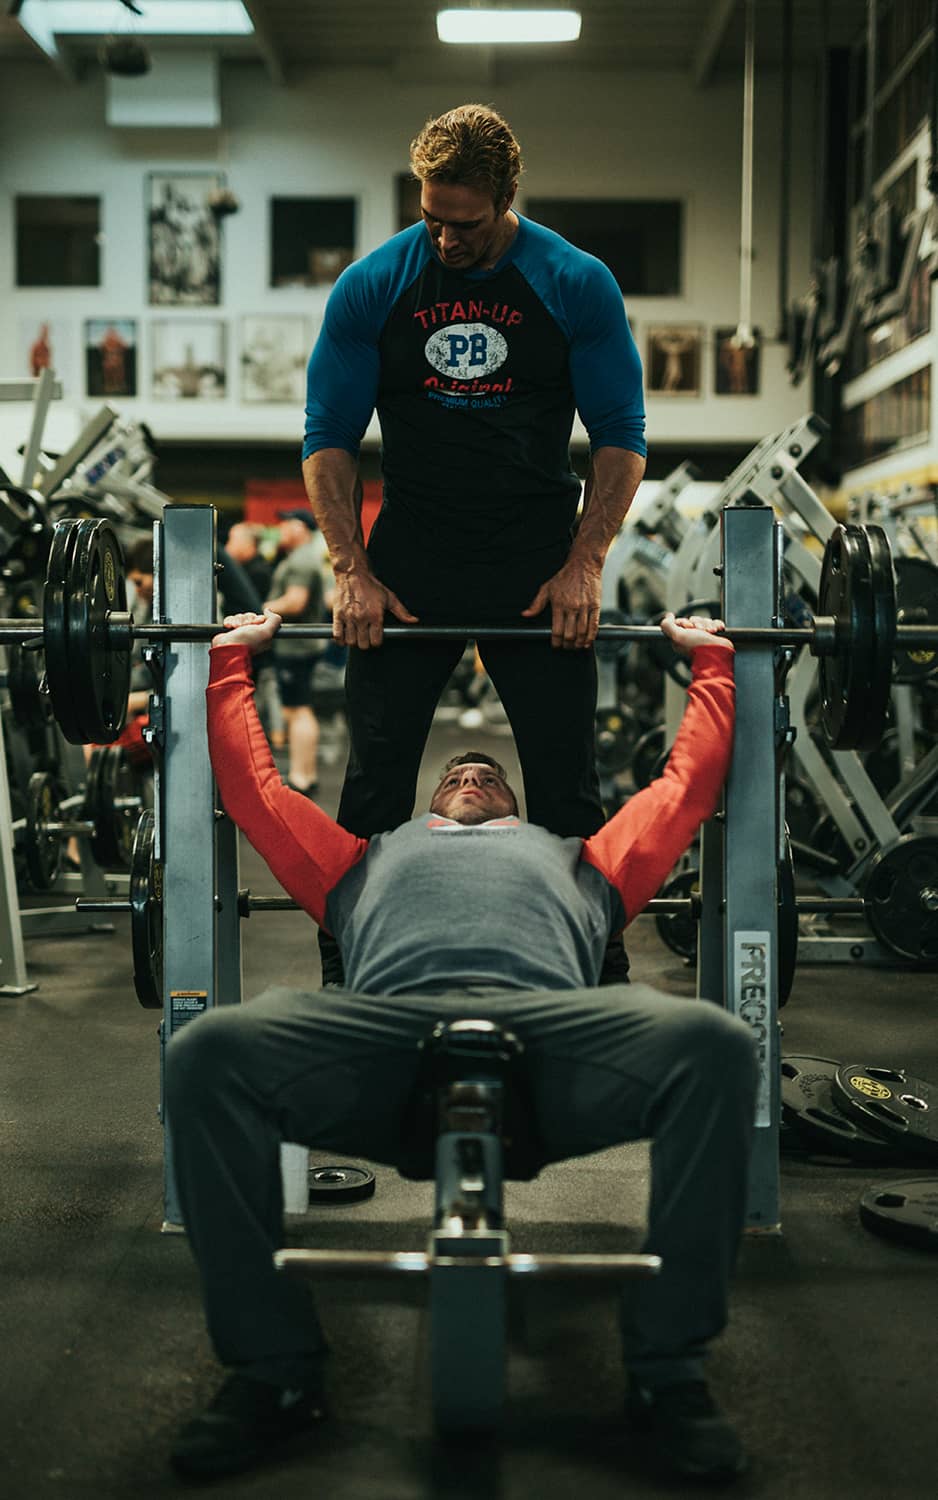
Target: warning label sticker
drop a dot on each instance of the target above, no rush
(185, 1005)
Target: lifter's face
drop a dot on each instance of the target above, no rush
(473, 794)
(466, 227)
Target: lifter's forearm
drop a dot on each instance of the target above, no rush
(614, 476)
(334, 491)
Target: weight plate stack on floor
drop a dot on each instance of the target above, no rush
(892, 1104)
(810, 1112)
(906, 1210)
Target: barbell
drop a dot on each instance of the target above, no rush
(87, 633)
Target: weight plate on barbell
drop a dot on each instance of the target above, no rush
(61, 684)
(917, 604)
(112, 803)
(146, 914)
(100, 669)
(42, 851)
(901, 895)
(883, 586)
(906, 1210)
(844, 676)
(340, 1184)
(902, 1109)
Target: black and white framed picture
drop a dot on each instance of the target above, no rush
(736, 362)
(275, 349)
(183, 239)
(312, 240)
(189, 359)
(672, 360)
(111, 356)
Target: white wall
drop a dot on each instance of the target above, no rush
(347, 132)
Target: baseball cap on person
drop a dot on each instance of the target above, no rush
(298, 514)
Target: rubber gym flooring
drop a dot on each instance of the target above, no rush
(829, 1364)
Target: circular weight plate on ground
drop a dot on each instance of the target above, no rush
(646, 753)
(42, 851)
(916, 604)
(883, 586)
(146, 915)
(340, 1184)
(615, 732)
(901, 895)
(113, 804)
(62, 688)
(891, 1103)
(809, 1110)
(678, 930)
(846, 593)
(100, 669)
(906, 1210)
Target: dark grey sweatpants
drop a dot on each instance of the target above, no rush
(334, 1070)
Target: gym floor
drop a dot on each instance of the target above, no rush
(829, 1364)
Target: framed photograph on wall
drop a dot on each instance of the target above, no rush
(46, 343)
(312, 240)
(736, 365)
(672, 359)
(183, 239)
(407, 199)
(111, 356)
(58, 239)
(189, 359)
(275, 351)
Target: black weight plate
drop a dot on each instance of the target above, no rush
(24, 670)
(916, 604)
(846, 593)
(146, 915)
(62, 689)
(340, 1184)
(787, 925)
(101, 670)
(810, 1112)
(678, 930)
(113, 805)
(902, 1109)
(901, 894)
(883, 585)
(615, 731)
(42, 851)
(906, 1210)
(646, 754)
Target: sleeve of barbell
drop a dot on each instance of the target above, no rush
(102, 903)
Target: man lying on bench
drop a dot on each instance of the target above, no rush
(465, 900)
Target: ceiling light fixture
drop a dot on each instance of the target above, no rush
(483, 25)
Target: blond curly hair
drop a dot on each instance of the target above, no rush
(471, 145)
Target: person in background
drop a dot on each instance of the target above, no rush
(298, 595)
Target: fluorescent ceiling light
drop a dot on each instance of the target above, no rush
(484, 25)
(46, 19)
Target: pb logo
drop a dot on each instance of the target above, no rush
(870, 1087)
(466, 350)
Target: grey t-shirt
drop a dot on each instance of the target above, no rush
(302, 566)
(435, 905)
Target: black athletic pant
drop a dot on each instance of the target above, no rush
(550, 699)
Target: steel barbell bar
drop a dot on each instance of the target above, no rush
(822, 638)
